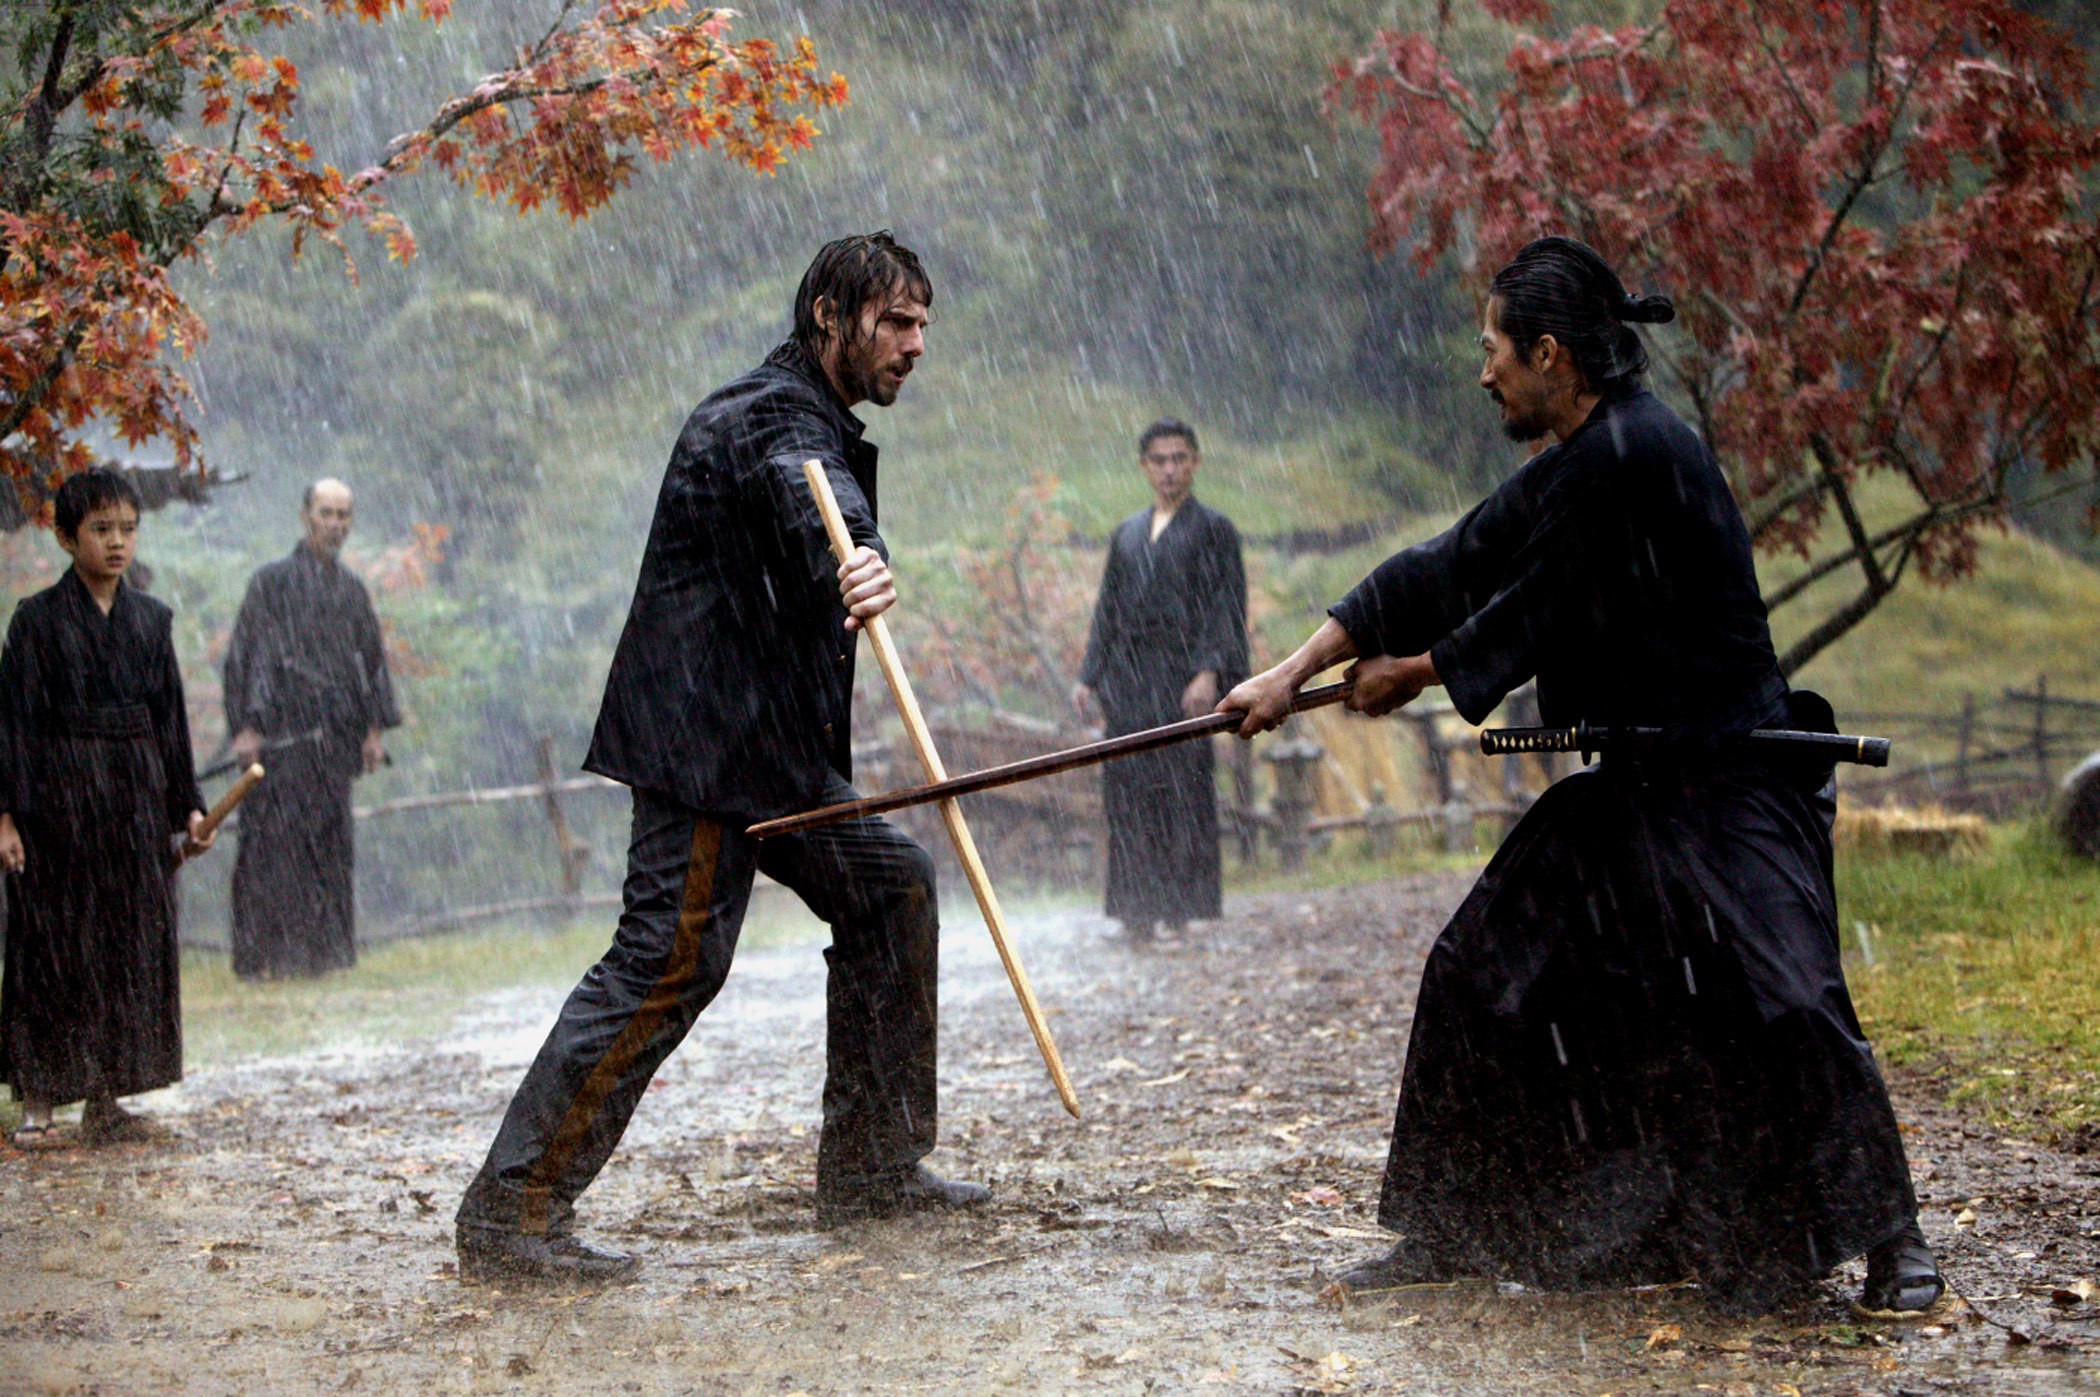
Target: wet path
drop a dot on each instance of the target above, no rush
(1237, 1089)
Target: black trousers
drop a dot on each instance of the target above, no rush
(688, 883)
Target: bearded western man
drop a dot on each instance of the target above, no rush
(728, 702)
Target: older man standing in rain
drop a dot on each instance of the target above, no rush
(730, 700)
(307, 693)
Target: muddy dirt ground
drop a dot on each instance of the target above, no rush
(1238, 1085)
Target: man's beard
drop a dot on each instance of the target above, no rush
(868, 384)
(1522, 426)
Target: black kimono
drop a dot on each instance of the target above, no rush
(95, 767)
(1170, 608)
(306, 668)
(1633, 1056)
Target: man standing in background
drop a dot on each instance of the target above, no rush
(1169, 636)
(307, 692)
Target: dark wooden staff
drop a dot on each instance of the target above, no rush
(1049, 764)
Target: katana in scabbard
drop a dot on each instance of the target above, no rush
(1828, 746)
(1030, 768)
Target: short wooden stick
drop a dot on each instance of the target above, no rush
(224, 805)
(951, 813)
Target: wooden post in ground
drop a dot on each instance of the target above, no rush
(2041, 732)
(1961, 746)
(573, 853)
(1295, 759)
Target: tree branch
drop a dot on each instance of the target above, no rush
(1808, 116)
(1866, 176)
(1774, 510)
(1869, 560)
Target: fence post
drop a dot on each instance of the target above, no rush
(572, 853)
(1243, 798)
(1379, 834)
(1457, 819)
(2041, 732)
(1434, 754)
(1294, 760)
(1961, 744)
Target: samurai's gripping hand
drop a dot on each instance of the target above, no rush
(865, 587)
(1386, 682)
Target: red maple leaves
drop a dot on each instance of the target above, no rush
(90, 330)
(1871, 214)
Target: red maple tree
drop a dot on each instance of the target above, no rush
(138, 131)
(1872, 215)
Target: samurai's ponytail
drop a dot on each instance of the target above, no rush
(1560, 287)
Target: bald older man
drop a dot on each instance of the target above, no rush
(307, 694)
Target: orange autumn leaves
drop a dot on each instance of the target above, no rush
(185, 132)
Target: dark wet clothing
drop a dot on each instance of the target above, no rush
(1170, 608)
(729, 700)
(95, 767)
(306, 668)
(1633, 1056)
(688, 885)
(1613, 566)
(732, 686)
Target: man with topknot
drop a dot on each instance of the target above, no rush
(1633, 1056)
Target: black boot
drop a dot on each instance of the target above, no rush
(1403, 1265)
(1903, 1278)
(918, 1189)
(496, 1254)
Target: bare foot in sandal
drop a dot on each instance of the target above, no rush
(35, 1137)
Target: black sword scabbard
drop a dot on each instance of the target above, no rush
(1830, 746)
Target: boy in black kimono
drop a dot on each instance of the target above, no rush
(95, 776)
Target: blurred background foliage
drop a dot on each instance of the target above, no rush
(1129, 208)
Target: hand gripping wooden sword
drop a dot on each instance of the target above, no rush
(222, 807)
(951, 812)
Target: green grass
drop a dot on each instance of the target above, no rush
(1986, 972)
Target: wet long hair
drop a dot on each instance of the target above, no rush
(850, 273)
(80, 495)
(1559, 286)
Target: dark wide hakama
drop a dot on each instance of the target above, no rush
(1162, 813)
(1634, 1058)
(1170, 608)
(294, 909)
(306, 669)
(92, 1003)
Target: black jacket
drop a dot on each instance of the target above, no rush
(731, 690)
(1614, 566)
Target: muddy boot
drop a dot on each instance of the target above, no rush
(917, 1190)
(500, 1254)
(1401, 1266)
(1903, 1278)
(104, 1122)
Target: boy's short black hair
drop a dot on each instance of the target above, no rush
(850, 272)
(81, 495)
(1168, 427)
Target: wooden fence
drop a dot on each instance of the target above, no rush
(2002, 755)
